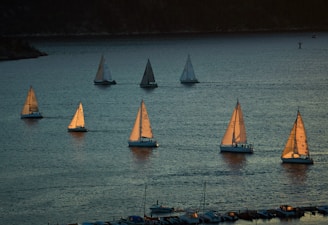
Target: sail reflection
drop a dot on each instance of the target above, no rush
(297, 173)
(234, 160)
(77, 135)
(141, 154)
(31, 122)
(77, 143)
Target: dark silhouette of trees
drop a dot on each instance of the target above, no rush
(157, 16)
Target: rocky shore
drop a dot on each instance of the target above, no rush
(16, 48)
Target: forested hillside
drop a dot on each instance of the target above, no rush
(49, 17)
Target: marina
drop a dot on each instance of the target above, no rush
(283, 213)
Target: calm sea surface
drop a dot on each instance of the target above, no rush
(48, 175)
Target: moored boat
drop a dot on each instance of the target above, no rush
(211, 216)
(288, 211)
(323, 209)
(190, 217)
(133, 220)
(158, 208)
(264, 214)
(230, 216)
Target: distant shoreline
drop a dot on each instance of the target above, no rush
(17, 48)
(158, 33)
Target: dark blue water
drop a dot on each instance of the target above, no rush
(50, 175)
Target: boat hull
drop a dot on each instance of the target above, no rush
(286, 211)
(78, 129)
(237, 149)
(189, 81)
(161, 210)
(148, 85)
(149, 144)
(105, 82)
(323, 209)
(297, 160)
(34, 115)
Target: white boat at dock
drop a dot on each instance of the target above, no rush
(159, 208)
(211, 216)
(288, 211)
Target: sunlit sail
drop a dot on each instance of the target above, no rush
(142, 134)
(234, 139)
(77, 124)
(296, 149)
(31, 108)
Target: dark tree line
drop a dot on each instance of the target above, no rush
(155, 16)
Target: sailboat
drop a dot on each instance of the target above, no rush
(234, 139)
(142, 135)
(188, 74)
(103, 76)
(296, 149)
(77, 124)
(30, 108)
(148, 79)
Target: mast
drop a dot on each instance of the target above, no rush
(100, 71)
(295, 135)
(29, 97)
(234, 125)
(145, 200)
(140, 124)
(204, 197)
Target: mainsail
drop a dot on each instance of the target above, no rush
(148, 76)
(142, 127)
(188, 74)
(103, 72)
(296, 145)
(78, 118)
(31, 103)
(236, 130)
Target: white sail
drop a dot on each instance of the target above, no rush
(77, 122)
(31, 108)
(296, 145)
(107, 73)
(103, 75)
(188, 74)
